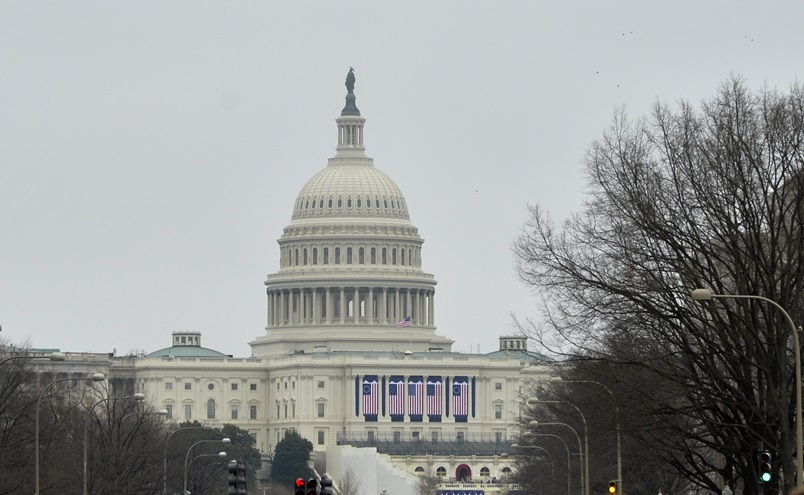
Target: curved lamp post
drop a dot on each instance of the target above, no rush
(535, 424)
(53, 356)
(552, 463)
(164, 458)
(137, 397)
(707, 295)
(187, 456)
(161, 412)
(220, 455)
(529, 434)
(97, 377)
(534, 401)
(557, 380)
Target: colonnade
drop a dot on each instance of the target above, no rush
(350, 305)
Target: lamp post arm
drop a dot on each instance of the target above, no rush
(797, 345)
(164, 458)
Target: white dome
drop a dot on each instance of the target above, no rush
(350, 191)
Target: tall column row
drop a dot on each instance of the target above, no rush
(352, 305)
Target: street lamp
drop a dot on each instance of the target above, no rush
(557, 380)
(220, 455)
(137, 397)
(187, 456)
(707, 295)
(53, 356)
(534, 401)
(97, 377)
(552, 463)
(530, 434)
(535, 424)
(164, 458)
(160, 412)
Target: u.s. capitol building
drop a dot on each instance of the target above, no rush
(350, 355)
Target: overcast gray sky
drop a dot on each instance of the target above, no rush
(150, 152)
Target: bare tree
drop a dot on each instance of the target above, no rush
(686, 198)
(349, 484)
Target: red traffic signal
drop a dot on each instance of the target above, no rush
(300, 482)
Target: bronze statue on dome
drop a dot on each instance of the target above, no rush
(350, 80)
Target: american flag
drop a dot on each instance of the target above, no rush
(415, 397)
(434, 396)
(370, 395)
(396, 393)
(403, 323)
(460, 398)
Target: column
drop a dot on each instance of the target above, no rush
(431, 309)
(328, 306)
(343, 306)
(316, 307)
(383, 311)
(282, 307)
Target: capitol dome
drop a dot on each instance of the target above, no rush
(350, 274)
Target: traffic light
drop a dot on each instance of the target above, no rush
(612, 487)
(765, 466)
(312, 486)
(236, 478)
(231, 478)
(326, 485)
(299, 488)
(242, 489)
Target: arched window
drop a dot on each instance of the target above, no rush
(315, 256)
(321, 204)
(384, 257)
(304, 256)
(419, 471)
(393, 256)
(385, 202)
(314, 204)
(326, 256)
(359, 203)
(361, 256)
(329, 203)
(297, 257)
(211, 409)
(349, 203)
(368, 202)
(484, 471)
(348, 256)
(441, 471)
(340, 202)
(506, 470)
(373, 256)
(402, 253)
(337, 256)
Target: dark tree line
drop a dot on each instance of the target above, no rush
(708, 196)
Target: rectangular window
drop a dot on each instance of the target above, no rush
(497, 411)
(277, 411)
(234, 411)
(286, 385)
(370, 435)
(188, 385)
(252, 412)
(169, 409)
(168, 385)
(252, 387)
(498, 386)
(498, 437)
(293, 410)
(286, 411)
(234, 386)
(397, 436)
(459, 437)
(320, 438)
(293, 385)
(414, 436)
(321, 384)
(434, 436)
(188, 411)
(320, 409)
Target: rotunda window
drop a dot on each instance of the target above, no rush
(385, 202)
(326, 256)
(348, 256)
(373, 256)
(329, 204)
(393, 256)
(368, 202)
(304, 257)
(297, 258)
(211, 386)
(392, 204)
(384, 256)
(359, 203)
(340, 202)
(402, 254)
(361, 256)
(314, 204)
(377, 203)
(321, 204)
(349, 203)
(307, 204)
(315, 256)
(337, 256)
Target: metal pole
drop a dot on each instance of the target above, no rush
(164, 458)
(704, 294)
